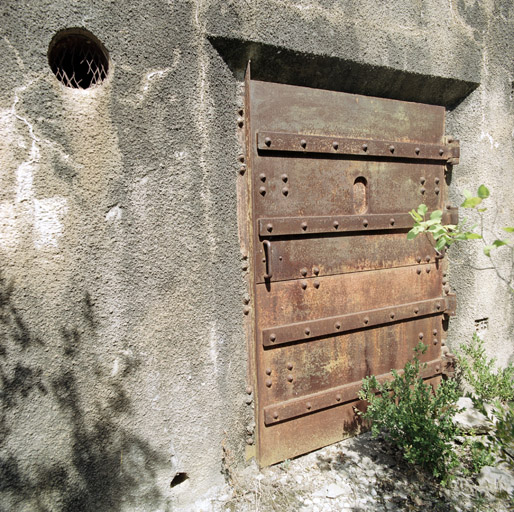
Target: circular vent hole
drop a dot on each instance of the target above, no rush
(78, 59)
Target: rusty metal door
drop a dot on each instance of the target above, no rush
(339, 292)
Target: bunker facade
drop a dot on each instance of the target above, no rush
(127, 308)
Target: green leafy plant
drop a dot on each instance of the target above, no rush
(478, 371)
(502, 436)
(444, 235)
(490, 385)
(418, 420)
(476, 455)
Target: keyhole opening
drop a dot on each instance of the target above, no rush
(360, 195)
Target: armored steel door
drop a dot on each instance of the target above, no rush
(339, 291)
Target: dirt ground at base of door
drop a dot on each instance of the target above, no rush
(356, 475)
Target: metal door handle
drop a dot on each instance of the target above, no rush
(267, 257)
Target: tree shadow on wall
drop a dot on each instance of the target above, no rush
(106, 467)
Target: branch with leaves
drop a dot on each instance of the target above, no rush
(444, 235)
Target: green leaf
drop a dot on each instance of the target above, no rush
(508, 229)
(440, 244)
(437, 231)
(483, 192)
(487, 250)
(436, 215)
(481, 210)
(415, 215)
(422, 209)
(499, 243)
(473, 236)
(471, 202)
(412, 234)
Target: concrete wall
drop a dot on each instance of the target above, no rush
(122, 349)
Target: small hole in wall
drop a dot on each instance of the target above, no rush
(78, 59)
(481, 325)
(178, 479)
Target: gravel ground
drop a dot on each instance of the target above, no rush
(359, 474)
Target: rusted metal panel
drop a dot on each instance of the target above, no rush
(300, 257)
(322, 187)
(289, 439)
(290, 109)
(365, 319)
(300, 369)
(451, 304)
(278, 226)
(299, 142)
(338, 291)
(333, 397)
(300, 300)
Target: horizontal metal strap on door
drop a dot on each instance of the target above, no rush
(332, 397)
(302, 143)
(309, 329)
(278, 226)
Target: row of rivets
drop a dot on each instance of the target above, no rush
(422, 180)
(304, 225)
(242, 168)
(316, 284)
(365, 320)
(303, 271)
(308, 405)
(335, 145)
(427, 259)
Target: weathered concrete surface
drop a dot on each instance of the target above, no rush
(123, 358)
